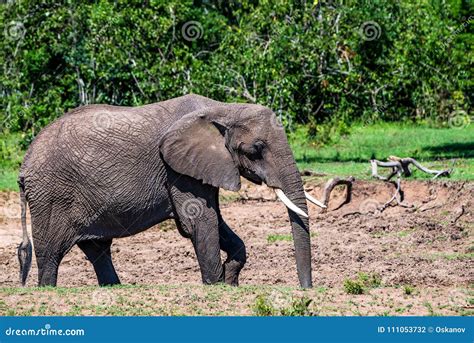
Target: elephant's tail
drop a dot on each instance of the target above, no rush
(25, 250)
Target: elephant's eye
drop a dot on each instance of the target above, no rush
(252, 151)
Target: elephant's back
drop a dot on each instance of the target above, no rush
(91, 132)
(106, 127)
(95, 152)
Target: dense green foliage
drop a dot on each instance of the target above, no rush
(315, 62)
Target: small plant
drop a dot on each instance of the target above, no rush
(353, 286)
(370, 280)
(362, 282)
(299, 307)
(429, 307)
(262, 307)
(408, 290)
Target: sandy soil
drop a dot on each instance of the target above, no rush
(428, 246)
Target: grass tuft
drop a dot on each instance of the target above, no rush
(353, 287)
(279, 238)
(362, 283)
(408, 290)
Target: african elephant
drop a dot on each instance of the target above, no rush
(101, 172)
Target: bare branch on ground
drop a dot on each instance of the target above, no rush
(401, 166)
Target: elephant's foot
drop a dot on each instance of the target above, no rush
(231, 272)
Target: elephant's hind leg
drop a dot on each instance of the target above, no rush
(48, 258)
(236, 253)
(50, 248)
(98, 253)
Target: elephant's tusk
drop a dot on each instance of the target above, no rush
(289, 203)
(314, 201)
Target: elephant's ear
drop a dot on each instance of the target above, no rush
(195, 146)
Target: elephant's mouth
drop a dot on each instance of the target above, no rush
(251, 176)
(255, 178)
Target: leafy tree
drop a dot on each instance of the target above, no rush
(313, 62)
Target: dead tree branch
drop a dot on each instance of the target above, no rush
(401, 166)
(330, 186)
(459, 215)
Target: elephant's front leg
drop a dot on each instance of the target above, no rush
(197, 218)
(206, 245)
(236, 254)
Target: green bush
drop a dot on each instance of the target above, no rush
(313, 63)
(353, 286)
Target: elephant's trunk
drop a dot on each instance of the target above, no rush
(292, 187)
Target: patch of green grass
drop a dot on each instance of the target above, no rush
(433, 147)
(353, 286)
(279, 238)
(363, 282)
(262, 307)
(299, 307)
(321, 289)
(228, 197)
(8, 180)
(11, 155)
(285, 238)
(452, 256)
(404, 233)
(218, 300)
(370, 280)
(430, 309)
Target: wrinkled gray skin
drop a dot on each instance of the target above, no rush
(102, 172)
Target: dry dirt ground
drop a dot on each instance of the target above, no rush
(414, 260)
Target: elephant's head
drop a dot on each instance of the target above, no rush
(219, 144)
